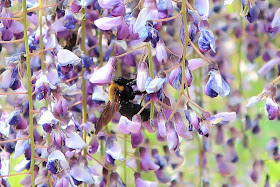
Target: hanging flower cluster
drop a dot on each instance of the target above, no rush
(97, 91)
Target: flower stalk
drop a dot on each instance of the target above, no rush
(29, 91)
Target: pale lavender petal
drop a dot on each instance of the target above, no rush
(172, 137)
(162, 176)
(20, 147)
(74, 141)
(272, 108)
(268, 66)
(16, 27)
(141, 183)
(276, 19)
(222, 117)
(161, 53)
(161, 124)
(142, 76)
(81, 174)
(66, 57)
(107, 23)
(146, 161)
(154, 85)
(103, 75)
(195, 63)
(58, 26)
(147, 125)
(181, 129)
(106, 4)
(254, 100)
(225, 168)
(202, 7)
(146, 13)
(115, 151)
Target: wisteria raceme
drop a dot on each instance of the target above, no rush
(126, 93)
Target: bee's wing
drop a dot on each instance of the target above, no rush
(108, 113)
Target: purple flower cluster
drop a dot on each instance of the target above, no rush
(63, 82)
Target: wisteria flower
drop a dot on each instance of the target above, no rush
(103, 75)
(268, 94)
(216, 85)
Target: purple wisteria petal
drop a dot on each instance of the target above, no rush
(141, 183)
(181, 129)
(21, 165)
(161, 124)
(6, 79)
(202, 7)
(192, 119)
(148, 12)
(16, 27)
(147, 125)
(206, 41)
(146, 161)
(276, 19)
(94, 146)
(127, 126)
(80, 173)
(175, 78)
(114, 150)
(57, 162)
(5, 164)
(99, 95)
(74, 141)
(47, 117)
(254, 100)
(142, 76)
(195, 63)
(228, 2)
(63, 182)
(204, 128)
(268, 66)
(225, 168)
(162, 176)
(4, 127)
(154, 85)
(66, 57)
(272, 108)
(136, 139)
(222, 117)
(172, 137)
(106, 4)
(118, 9)
(123, 31)
(107, 23)
(57, 26)
(161, 53)
(165, 5)
(103, 75)
(216, 85)
(20, 147)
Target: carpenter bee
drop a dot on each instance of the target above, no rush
(121, 96)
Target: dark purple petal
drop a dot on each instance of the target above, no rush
(136, 139)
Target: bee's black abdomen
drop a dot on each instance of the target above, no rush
(129, 109)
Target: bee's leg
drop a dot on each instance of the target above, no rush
(138, 93)
(131, 82)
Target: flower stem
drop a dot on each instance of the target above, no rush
(84, 101)
(152, 108)
(29, 90)
(128, 52)
(125, 157)
(100, 47)
(168, 19)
